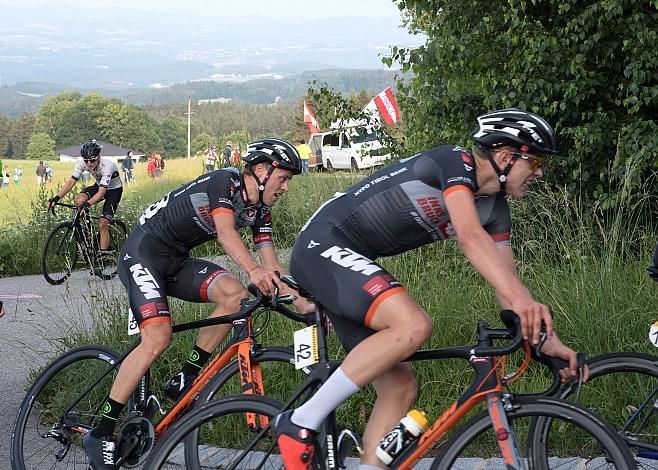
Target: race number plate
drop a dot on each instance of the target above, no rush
(306, 347)
(133, 329)
(653, 334)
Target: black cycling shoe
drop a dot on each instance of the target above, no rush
(175, 385)
(100, 451)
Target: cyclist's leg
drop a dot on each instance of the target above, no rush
(86, 194)
(112, 198)
(202, 281)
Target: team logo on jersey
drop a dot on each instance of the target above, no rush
(312, 244)
(145, 281)
(127, 257)
(204, 270)
(350, 259)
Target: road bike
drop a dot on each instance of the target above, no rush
(575, 436)
(64, 403)
(77, 239)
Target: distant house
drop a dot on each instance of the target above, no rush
(109, 151)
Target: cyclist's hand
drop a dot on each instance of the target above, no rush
(304, 306)
(84, 207)
(52, 201)
(554, 347)
(531, 314)
(264, 280)
(653, 272)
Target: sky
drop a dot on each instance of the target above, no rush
(232, 8)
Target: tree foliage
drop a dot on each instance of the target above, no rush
(41, 147)
(589, 67)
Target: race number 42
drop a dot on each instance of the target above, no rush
(306, 347)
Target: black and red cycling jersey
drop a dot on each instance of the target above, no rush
(183, 218)
(402, 206)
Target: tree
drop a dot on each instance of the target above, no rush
(589, 67)
(203, 141)
(19, 136)
(50, 118)
(128, 126)
(173, 135)
(41, 147)
(5, 129)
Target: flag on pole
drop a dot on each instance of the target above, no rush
(388, 108)
(373, 114)
(310, 120)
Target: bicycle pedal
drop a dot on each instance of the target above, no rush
(347, 441)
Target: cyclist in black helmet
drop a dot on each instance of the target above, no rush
(107, 188)
(155, 263)
(447, 191)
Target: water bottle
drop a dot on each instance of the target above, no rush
(399, 438)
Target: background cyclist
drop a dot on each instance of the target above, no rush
(107, 188)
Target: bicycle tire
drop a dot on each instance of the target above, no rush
(635, 377)
(229, 413)
(118, 235)
(61, 237)
(54, 388)
(601, 441)
(275, 354)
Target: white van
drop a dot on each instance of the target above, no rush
(346, 149)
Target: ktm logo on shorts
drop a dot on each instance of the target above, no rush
(145, 281)
(350, 259)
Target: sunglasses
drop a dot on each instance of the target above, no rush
(90, 160)
(535, 162)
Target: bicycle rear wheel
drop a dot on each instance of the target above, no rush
(224, 433)
(579, 439)
(56, 411)
(106, 268)
(59, 254)
(632, 379)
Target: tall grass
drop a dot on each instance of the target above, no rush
(587, 264)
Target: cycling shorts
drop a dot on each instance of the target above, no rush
(150, 270)
(348, 284)
(112, 198)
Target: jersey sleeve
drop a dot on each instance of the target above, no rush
(499, 225)
(448, 169)
(78, 170)
(262, 228)
(221, 190)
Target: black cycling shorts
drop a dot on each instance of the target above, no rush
(150, 270)
(112, 198)
(348, 284)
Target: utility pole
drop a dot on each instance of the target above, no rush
(189, 136)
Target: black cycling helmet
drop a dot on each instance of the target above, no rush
(90, 150)
(521, 129)
(275, 151)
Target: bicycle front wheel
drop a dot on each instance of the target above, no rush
(623, 389)
(225, 433)
(58, 409)
(579, 439)
(59, 254)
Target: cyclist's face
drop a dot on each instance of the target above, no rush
(276, 186)
(525, 171)
(92, 164)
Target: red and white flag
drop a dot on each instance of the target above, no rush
(388, 108)
(309, 119)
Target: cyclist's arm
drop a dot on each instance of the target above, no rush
(270, 262)
(507, 257)
(232, 243)
(480, 249)
(64, 190)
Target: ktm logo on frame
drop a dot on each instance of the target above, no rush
(349, 259)
(145, 281)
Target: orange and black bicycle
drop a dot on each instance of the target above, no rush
(579, 438)
(65, 400)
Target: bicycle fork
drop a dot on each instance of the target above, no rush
(498, 404)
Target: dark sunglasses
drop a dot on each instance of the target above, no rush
(90, 160)
(535, 162)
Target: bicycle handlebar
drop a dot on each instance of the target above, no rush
(63, 204)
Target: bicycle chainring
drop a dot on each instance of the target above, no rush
(134, 441)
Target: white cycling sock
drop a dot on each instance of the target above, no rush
(331, 394)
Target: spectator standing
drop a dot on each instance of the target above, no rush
(226, 161)
(127, 166)
(157, 168)
(305, 153)
(5, 176)
(236, 157)
(211, 159)
(85, 177)
(41, 174)
(18, 174)
(49, 172)
(150, 166)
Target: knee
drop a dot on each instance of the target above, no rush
(415, 332)
(228, 293)
(80, 198)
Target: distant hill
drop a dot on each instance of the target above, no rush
(28, 96)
